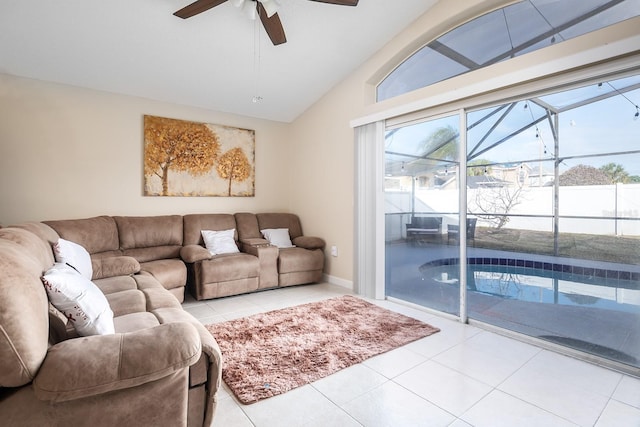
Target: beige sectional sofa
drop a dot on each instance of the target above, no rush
(161, 366)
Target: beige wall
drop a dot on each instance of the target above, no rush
(322, 140)
(67, 152)
(322, 189)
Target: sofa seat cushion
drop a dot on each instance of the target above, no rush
(171, 273)
(160, 298)
(135, 321)
(126, 302)
(114, 266)
(112, 285)
(299, 259)
(227, 267)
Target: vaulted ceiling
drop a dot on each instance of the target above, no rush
(218, 60)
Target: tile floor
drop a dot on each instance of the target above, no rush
(462, 376)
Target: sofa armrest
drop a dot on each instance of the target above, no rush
(247, 245)
(309, 242)
(268, 256)
(114, 266)
(194, 253)
(99, 364)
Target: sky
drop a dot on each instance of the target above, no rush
(606, 126)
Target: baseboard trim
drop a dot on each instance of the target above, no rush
(338, 281)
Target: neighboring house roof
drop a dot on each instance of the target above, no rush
(486, 181)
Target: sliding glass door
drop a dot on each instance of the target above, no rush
(421, 188)
(551, 240)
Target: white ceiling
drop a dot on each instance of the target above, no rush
(137, 47)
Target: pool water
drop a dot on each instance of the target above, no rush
(544, 283)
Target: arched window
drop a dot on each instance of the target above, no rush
(505, 33)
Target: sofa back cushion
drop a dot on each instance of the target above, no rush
(24, 324)
(150, 238)
(195, 223)
(34, 246)
(280, 220)
(97, 234)
(247, 226)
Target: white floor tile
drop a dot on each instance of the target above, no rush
(349, 383)
(449, 389)
(336, 417)
(617, 414)
(200, 311)
(576, 372)
(395, 362)
(230, 305)
(459, 423)
(230, 414)
(487, 357)
(628, 391)
(391, 406)
(417, 389)
(553, 393)
(499, 409)
(450, 335)
(294, 408)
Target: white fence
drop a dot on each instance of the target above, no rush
(610, 209)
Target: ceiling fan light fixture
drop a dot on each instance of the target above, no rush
(249, 9)
(270, 6)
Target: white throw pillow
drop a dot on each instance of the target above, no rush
(68, 252)
(220, 242)
(79, 299)
(278, 237)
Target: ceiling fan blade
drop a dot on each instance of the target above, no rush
(339, 2)
(272, 26)
(197, 7)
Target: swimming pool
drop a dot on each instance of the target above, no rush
(542, 282)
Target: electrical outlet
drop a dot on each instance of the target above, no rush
(334, 251)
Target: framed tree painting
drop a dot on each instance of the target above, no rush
(184, 158)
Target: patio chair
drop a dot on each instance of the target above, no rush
(453, 231)
(421, 227)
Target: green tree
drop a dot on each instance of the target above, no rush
(616, 172)
(177, 145)
(441, 144)
(478, 167)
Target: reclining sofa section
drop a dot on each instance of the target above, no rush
(171, 249)
(161, 367)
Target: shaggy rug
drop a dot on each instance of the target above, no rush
(271, 353)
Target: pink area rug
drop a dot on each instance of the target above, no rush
(271, 353)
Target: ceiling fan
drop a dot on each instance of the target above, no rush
(266, 9)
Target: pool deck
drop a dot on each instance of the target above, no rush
(610, 334)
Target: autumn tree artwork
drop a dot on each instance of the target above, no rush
(184, 158)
